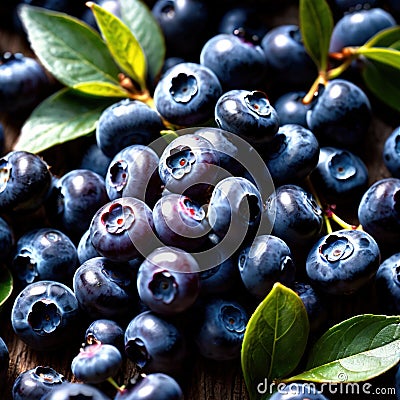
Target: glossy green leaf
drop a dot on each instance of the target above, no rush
(355, 350)
(6, 284)
(275, 338)
(377, 76)
(390, 57)
(60, 118)
(384, 38)
(68, 48)
(101, 89)
(316, 25)
(122, 44)
(140, 20)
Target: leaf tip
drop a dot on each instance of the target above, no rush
(89, 4)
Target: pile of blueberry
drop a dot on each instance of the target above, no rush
(155, 247)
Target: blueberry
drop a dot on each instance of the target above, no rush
(4, 359)
(391, 153)
(125, 123)
(289, 66)
(291, 109)
(378, 213)
(96, 363)
(342, 262)
(155, 344)
(355, 28)
(106, 331)
(25, 181)
(238, 61)
(6, 239)
(133, 172)
(267, 260)
(85, 249)
(341, 177)
(45, 315)
(156, 386)
(220, 327)
(35, 383)
(387, 282)
(94, 159)
(341, 115)
(292, 154)
(168, 280)
(105, 289)
(81, 391)
(23, 82)
(248, 114)
(178, 219)
(2, 139)
(298, 391)
(123, 229)
(345, 6)
(74, 200)
(187, 93)
(44, 254)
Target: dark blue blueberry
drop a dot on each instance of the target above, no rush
(85, 249)
(106, 331)
(123, 229)
(247, 114)
(36, 383)
(189, 165)
(168, 280)
(187, 93)
(6, 239)
(391, 153)
(296, 217)
(345, 6)
(156, 386)
(170, 62)
(72, 391)
(297, 391)
(45, 315)
(341, 177)
(96, 363)
(94, 159)
(288, 63)
(155, 344)
(291, 109)
(2, 140)
(186, 25)
(74, 200)
(125, 123)
(263, 263)
(180, 220)
(133, 172)
(341, 114)
(4, 359)
(237, 60)
(25, 181)
(355, 28)
(342, 262)
(378, 213)
(220, 327)
(105, 289)
(44, 254)
(23, 82)
(387, 282)
(292, 154)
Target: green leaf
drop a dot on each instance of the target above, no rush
(101, 89)
(63, 116)
(122, 44)
(316, 25)
(390, 57)
(384, 38)
(275, 338)
(68, 48)
(140, 20)
(355, 350)
(377, 76)
(6, 284)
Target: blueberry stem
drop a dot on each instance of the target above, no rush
(348, 55)
(313, 92)
(115, 384)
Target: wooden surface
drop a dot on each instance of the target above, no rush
(205, 380)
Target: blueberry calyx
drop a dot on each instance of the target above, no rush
(180, 161)
(341, 166)
(336, 248)
(164, 286)
(242, 34)
(48, 375)
(137, 352)
(192, 209)
(183, 88)
(258, 102)
(286, 263)
(5, 172)
(118, 219)
(119, 174)
(25, 266)
(396, 274)
(44, 317)
(233, 319)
